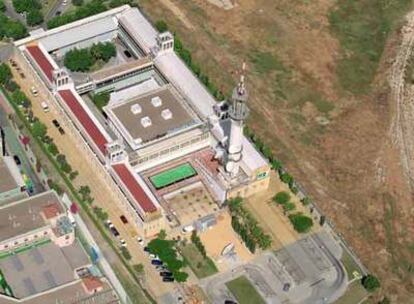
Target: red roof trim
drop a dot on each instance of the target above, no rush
(41, 60)
(134, 188)
(87, 123)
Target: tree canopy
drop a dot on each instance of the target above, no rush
(5, 73)
(21, 6)
(11, 28)
(370, 282)
(78, 60)
(301, 223)
(34, 17)
(39, 129)
(281, 198)
(103, 51)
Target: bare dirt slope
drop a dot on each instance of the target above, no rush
(340, 146)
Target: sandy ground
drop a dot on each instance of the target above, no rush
(219, 236)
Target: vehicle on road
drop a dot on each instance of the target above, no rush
(153, 256)
(61, 131)
(34, 91)
(140, 241)
(45, 106)
(17, 160)
(168, 279)
(156, 262)
(123, 243)
(166, 274)
(127, 54)
(56, 123)
(188, 228)
(146, 249)
(229, 302)
(124, 219)
(114, 231)
(109, 224)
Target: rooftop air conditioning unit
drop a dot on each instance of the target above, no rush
(136, 109)
(156, 101)
(146, 121)
(166, 114)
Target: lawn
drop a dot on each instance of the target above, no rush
(354, 294)
(350, 265)
(201, 267)
(244, 291)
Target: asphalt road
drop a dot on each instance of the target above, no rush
(57, 7)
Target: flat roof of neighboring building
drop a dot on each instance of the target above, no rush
(120, 69)
(135, 189)
(25, 215)
(178, 117)
(84, 118)
(44, 64)
(36, 270)
(7, 180)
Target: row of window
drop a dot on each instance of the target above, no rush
(170, 150)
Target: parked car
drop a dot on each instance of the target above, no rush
(168, 279)
(109, 224)
(17, 160)
(58, 13)
(166, 274)
(34, 91)
(127, 54)
(123, 219)
(156, 262)
(123, 243)
(61, 131)
(153, 256)
(45, 106)
(188, 228)
(146, 249)
(229, 302)
(56, 123)
(140, 241)
(114, 231)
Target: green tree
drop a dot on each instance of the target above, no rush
(78, 60)
(39, 129)
(19, 98)
(301, 223)
(101, 99)
(15, 29)
(180, 276)
(289, 206)
(2, 6)
(281, 198)
(85, 192)
(305, 201)
(125, 253)
(21, 6)
(77, 2)
(53, 149)
(162, 234)
(61, 159)
(116, 3)
(73, 175)
(66, 168)
(34, 17)
(370, 282)
(138, 268)
(5, 74)
(103, 51)
(161, 26)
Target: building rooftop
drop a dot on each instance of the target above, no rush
(36, 270)
(41, 59)
(7, 180)
(25, 215)
(88, 124)
(120, 69)
(136, 189)
(151, 116)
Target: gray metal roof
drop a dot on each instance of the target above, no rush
(139, 28)
(7, 180)
(175, 70)
(82, 32)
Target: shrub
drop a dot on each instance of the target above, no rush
(289, 206)
(39, 130)
(11, 86)
(103, 51)
(101, 99)
(34, 17)
(79, 60)
(125, 253)
(21, 6)
(2, 6)
(301, 223)
(53, 149)
(138, 268)
(73, 175)
(11, 28)
(77, 2)
(370, 282)
(161, 26)
(281, 198)
(5, 74)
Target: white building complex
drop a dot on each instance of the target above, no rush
(161, 131)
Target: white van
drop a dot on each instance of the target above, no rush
(188, 228)
(34, 91)
(45, 106)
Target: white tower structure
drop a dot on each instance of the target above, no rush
(238, 113)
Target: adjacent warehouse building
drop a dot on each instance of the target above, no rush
(159, 116)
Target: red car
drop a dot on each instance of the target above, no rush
(123, 219)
